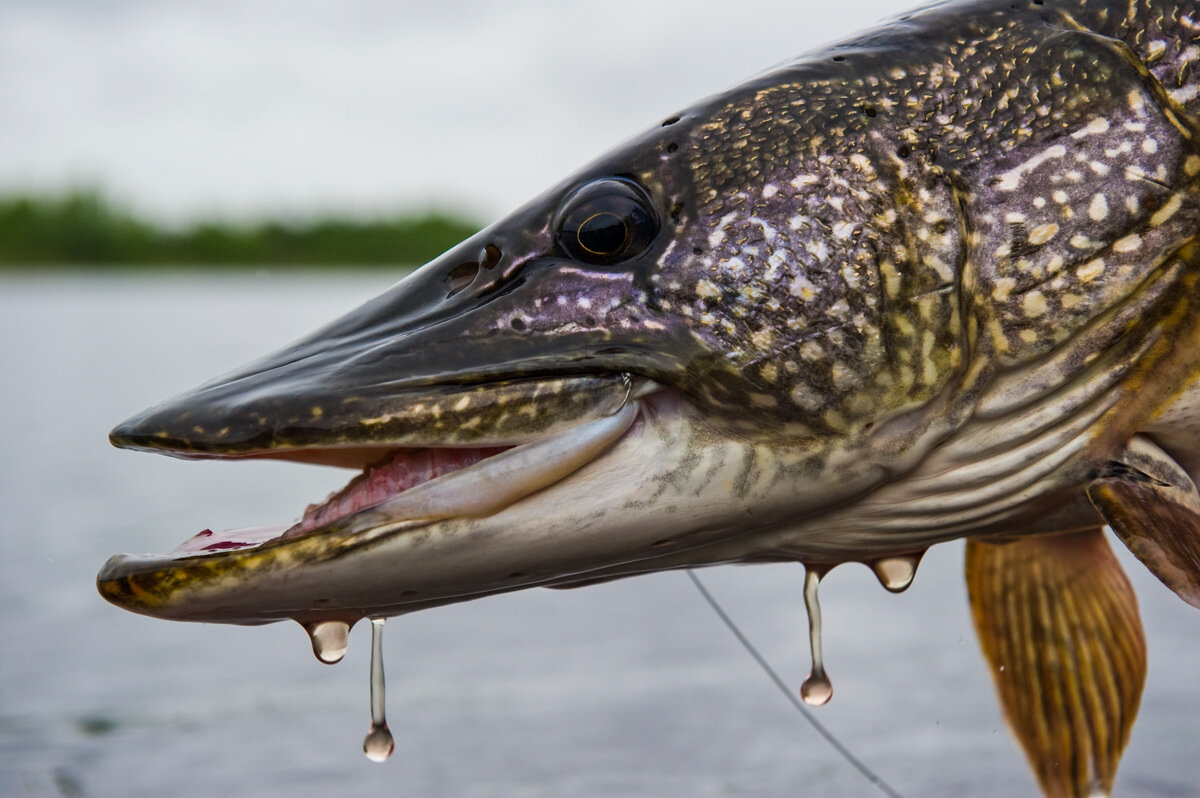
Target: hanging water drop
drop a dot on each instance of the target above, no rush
(378, 744)
(896, 573)
(328, 640)
(817, 689)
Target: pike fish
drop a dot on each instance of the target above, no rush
(938, 281)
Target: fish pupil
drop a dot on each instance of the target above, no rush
(603, 233)
(607, 221)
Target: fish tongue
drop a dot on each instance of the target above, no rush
(403, 470)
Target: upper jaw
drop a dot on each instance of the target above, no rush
(427, 364)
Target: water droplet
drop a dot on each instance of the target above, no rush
(378, 744)
(328, 640)
(817, 689)
(896, 573)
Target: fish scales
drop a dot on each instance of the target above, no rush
(1018, 167)
(940, 280)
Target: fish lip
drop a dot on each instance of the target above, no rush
(362, 424)
(158, 584)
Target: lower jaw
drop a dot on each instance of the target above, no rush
(263, 576)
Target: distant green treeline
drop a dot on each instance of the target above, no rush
(82, 228)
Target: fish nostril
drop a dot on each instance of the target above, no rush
(462, 276)
(491, 256)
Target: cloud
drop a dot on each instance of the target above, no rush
(298, 107)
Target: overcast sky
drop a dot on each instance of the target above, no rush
(287, 106)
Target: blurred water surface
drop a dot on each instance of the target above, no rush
(630, 688)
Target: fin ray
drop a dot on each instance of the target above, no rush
(1057, 621)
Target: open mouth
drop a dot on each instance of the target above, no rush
(405, 494)
(402, 486)
(379, 481)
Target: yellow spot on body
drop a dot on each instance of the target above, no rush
(1002, 288)
(707, 290)
(317, 411)
(769, 372)
(1042, 233)
(462, 404)
(1098, 208)
(928, 368)
(1034, 304)
(1127, 244)
(1090, 270)
(802, 287)
(1192, 166)
(1094, 127)
(803, 396)
(841, 376)
(1166, 211)
(891, 278)
(1029, 336)
(1070, 300)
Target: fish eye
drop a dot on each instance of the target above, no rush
(607, 221)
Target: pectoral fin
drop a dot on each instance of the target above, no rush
(1152, 505)
(1058, 624)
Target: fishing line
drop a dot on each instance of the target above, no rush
(858, 764)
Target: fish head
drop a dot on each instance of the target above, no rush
(706, 336)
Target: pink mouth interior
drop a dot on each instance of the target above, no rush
(399, 471)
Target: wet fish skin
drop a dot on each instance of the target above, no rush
(929, 283)
(876, 269)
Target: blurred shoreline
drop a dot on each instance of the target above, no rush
(82, 229)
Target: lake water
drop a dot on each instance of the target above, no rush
(631, 688)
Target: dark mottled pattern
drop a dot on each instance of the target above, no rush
(1000, 164)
